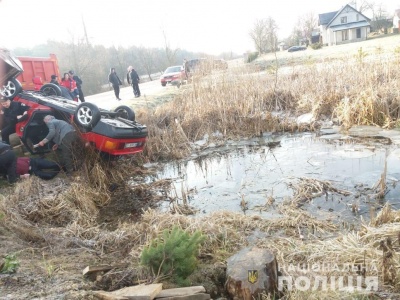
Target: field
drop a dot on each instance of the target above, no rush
(55, 229)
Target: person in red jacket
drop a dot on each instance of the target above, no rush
(70, 84)
(40, 167)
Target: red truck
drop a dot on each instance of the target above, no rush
(25, 73)
(37, 71)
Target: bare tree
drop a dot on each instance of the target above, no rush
(272, 37)
(146, 56)
(303, 28)
(363, 5)
(264, 35)
(169, 52)
(259, 36)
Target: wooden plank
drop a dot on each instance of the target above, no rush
(102, 295)
(199, 296)
(140, 292)
(181, 291)
(91, 269)
(101, 268)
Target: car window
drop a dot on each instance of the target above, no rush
(173, 69)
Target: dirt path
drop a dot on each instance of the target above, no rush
(152, 95)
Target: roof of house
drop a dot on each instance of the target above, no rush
(327, 18)
(350, 25)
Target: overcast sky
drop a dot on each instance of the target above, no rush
(211, 26)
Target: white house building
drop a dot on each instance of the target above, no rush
(396, 19)
(344, 26)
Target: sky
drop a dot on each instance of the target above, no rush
(210, 26)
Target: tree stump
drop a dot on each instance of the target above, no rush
(251, 272)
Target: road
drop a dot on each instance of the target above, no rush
(107, 100)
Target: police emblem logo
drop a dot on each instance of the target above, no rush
(252, 276)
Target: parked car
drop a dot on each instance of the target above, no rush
(173, 75)
(113, 133)
(205, 66)
(296, 48)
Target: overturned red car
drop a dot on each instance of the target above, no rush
(113, 133)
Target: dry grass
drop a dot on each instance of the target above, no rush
(295, 238)
(238, 102)
(307, 189)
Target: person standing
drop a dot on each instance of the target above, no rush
(70, 85)
(115, 81)
(65, 141)
(8, 162)
(54, 80)
(133, 79)
(79, 83)
(12, 113)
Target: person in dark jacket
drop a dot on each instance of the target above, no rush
(115, 82)
(42, 168)
(12, 112)
(8, 162)
(54, 80)
(65, 141)
(133, 79)
(79, 83)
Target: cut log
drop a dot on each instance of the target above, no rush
(251, 272)
(181, 291)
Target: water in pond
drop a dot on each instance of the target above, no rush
(253, 170)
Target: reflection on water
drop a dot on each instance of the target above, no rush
(254, 171)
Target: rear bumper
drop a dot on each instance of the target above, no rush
(115, 146)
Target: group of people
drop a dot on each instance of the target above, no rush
(70, 84)
(132, 78)
(61, 133)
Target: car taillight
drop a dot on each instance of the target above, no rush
(110, 145)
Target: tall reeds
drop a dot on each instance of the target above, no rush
(240, 102)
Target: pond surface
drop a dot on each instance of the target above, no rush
(253, 170)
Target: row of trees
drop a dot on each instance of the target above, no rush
(264, 31)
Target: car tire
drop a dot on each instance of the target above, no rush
(125, 112)
(163, 84)
(51, 89)
(87, 115)
(11, 89)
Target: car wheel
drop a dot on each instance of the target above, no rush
(51, 89)
(87, 115)
(11, 89)
(125, 112)
(163, 83)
